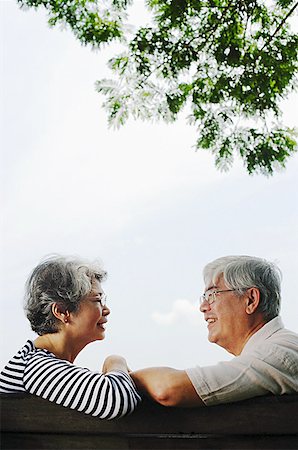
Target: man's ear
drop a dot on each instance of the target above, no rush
(253, 300)
(60, 313)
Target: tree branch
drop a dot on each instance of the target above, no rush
(279, 26)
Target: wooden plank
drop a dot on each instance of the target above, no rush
(278, 415)
(226, 442)
(23, 441)
(41, 441)
(28, 422)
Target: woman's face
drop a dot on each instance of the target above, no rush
(89, 322)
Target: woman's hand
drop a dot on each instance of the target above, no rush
(115, 362)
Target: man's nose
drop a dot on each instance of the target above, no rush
(204, 306)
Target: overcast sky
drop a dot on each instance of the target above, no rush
(140, 199)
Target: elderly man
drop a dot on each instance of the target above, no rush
(241, 305)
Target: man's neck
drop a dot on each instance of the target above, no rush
(255, 326)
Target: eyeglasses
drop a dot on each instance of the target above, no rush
(103, 299)
(210, 295)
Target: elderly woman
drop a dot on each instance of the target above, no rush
(66, 307)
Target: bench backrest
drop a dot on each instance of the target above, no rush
(264, 422)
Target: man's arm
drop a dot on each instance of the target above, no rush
(169, 387)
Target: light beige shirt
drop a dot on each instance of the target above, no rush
(268, 364)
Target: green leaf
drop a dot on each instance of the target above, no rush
(233, 61)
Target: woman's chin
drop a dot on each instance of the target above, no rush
(101, 336)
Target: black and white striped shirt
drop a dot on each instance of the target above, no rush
(41, 373)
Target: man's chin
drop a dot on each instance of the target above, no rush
(212, 338)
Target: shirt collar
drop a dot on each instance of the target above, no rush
(263, 333)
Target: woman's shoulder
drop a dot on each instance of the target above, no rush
(29, 350)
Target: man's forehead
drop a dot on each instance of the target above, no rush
(210, 286)
(214, 284)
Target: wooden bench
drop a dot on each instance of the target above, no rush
(28, 422)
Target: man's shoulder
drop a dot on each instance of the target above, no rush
(281, 342)
(284, 336)
(272, 333)
(279, 350)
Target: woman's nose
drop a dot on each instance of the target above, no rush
(106, 311)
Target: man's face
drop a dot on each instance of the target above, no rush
(226, 318)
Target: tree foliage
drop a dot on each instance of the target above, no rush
(230, 61)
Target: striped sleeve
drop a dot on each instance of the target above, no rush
(106, 396)
(11, 377)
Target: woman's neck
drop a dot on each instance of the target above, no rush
(58, 344)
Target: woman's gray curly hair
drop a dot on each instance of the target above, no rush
(62, 280)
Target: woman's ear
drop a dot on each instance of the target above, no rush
(60, 313)
(253, 300)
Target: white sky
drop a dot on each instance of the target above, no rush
(139, 198)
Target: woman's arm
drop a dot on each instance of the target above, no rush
(106, 396)
(167, 386)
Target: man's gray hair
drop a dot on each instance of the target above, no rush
(242, 272)
(62, 280)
